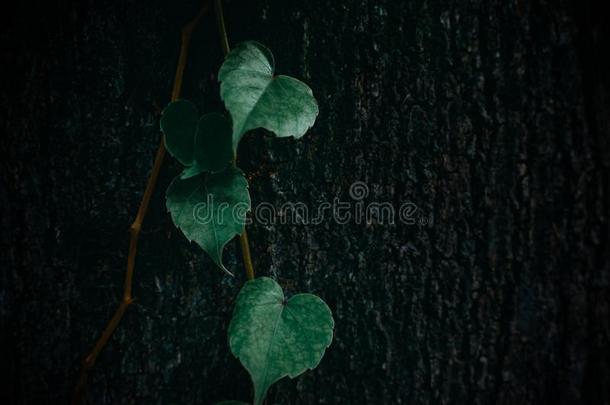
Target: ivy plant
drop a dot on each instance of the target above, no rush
(273, 336)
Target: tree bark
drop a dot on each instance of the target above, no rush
(490, 117)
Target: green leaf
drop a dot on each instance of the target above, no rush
(256, 98)
(210, 209)
(203, 144)
(213, 151)
(179, 125)
(274, 337)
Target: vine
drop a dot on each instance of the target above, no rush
(273, 336)
(224, 44)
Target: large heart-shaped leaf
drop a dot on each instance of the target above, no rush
(256, 98)
(210, 209)
(203, 144)
(274, 337)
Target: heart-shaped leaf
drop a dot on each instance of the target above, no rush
(256, 98)
(210, 209)
(179, 125)
(203, 144)
(212, 152)
(274, 337)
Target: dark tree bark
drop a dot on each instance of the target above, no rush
(492, 117)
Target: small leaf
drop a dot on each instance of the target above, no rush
(274, 337)
(202, 144)
(212, 151)
(210, 209)
(256, 98)
(179, 125)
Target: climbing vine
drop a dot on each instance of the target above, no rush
(273, 336)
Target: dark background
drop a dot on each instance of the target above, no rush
(491, 116)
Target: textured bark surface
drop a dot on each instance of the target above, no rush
(490, 116)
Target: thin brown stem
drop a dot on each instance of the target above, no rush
(136, 226)
(222, 31)
(224, 43)
(245, 249)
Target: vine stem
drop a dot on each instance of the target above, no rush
(136, 226)
(224, 44)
